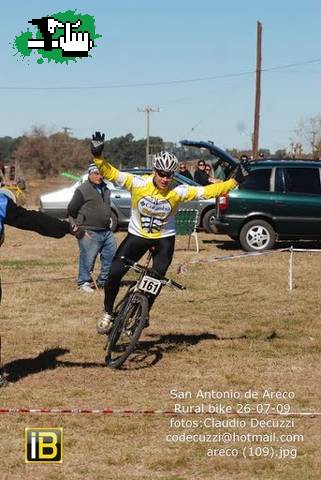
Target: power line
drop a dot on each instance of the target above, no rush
(168, 82)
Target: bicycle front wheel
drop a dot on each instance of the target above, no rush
(127, 328)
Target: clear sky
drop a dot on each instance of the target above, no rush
(176, 42)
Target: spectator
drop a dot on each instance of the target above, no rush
(208, 169)
(244, 157)
(90, 208)
(261, 155)
(219, 172)
(200, 176)
(182, 170)
(211, 178)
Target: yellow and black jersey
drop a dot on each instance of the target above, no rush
(153, 210)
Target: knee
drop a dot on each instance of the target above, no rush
(117, 269)
(161, 269)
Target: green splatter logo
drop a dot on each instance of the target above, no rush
(60, 37)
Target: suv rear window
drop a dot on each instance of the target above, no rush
(299, 180)
(257, 180)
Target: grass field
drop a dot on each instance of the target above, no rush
(236, 327)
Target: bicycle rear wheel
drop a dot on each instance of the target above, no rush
(127, 328)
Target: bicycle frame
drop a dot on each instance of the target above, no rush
(134, 287)
(131, 313)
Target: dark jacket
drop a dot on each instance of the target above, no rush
(19, 217)
(90, 206)
(186, 174)
(201, 177)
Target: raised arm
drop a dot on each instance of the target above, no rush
(107, 170)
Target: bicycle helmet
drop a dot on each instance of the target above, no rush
(165, 161)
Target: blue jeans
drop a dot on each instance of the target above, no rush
(94, 242)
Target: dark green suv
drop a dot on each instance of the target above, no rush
(280, 199)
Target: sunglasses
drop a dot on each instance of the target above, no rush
(163, 174)
(201, 164)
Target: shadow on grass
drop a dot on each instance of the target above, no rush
(47, 360)
(150, 352)
(147, 354)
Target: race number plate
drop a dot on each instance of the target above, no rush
(150, 285)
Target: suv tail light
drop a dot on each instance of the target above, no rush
(223, 203)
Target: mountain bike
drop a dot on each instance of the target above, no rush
(132, 312)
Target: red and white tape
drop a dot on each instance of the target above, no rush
(125, 412)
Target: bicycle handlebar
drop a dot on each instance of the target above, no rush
(139, 268)
(174, 284)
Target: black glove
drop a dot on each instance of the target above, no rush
(76, 231)
(241, 171)
(97, 144)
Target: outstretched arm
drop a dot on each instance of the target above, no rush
(215, 189)
(39, 222)
(187, 193)
(35, 221)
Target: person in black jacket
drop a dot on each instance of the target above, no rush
(200, 175)
(182, 170)
(90, 208)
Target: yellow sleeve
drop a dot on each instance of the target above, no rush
(113, 174)
(217, 189)
(187, 194)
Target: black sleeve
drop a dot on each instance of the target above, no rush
(75, 203)
(200, 178)
(34, 221)
(196, 177)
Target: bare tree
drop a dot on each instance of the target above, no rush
(48, 155)
(309, 132)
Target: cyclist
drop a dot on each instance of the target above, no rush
(152, 223)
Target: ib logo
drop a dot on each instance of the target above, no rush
(43, 445)
(61, 37)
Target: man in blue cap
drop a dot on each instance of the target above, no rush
(90, 208)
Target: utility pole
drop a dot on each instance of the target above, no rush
(255, 146)
(147, 109)
(66, 130)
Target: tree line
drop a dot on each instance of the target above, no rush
(43, 154)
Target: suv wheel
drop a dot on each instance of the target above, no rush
(208, 221)
(113, 222)
(257, 236)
